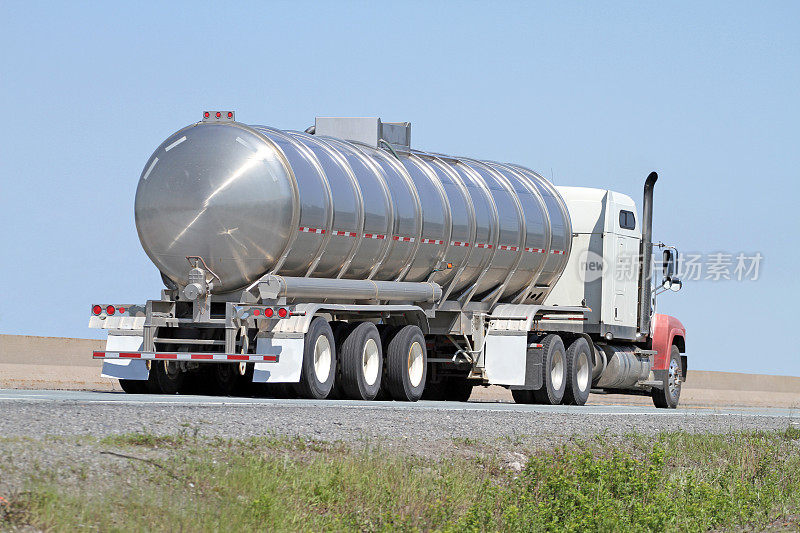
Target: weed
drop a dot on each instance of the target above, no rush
(673, 481)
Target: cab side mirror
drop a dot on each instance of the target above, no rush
(669, 263)
(670, 269)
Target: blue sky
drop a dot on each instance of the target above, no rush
(591, 94)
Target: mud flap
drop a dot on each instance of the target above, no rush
(506, 358)
(290, 360)
(125, 368)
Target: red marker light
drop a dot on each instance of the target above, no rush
(256, 312)
(283, 313)
(97, 309)
(206, 114)
(268, 312)
(218, 114)
(230, 114)
(110, 310)
(121, 309)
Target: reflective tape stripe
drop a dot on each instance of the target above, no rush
(433, 241)
(344, 233)
(509, 248)
(150, 169)
(374, 236)
(459, 243)
(534, 250)
(185, 356)
(403, 239)
(557, 252)
(176, 143)
(483, 245)
(311, 230)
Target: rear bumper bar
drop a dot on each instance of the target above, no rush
(188, 356)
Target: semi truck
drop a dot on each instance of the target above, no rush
(340, 262)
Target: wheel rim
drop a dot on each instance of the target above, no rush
(369, 361)
(557, 370)
(171, 370)
(415, 364)
(583, 371)
(674, 379)
(322, 358)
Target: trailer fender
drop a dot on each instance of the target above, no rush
(667, 330)
(125, 368)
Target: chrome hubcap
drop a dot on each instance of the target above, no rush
(369, 361)
(583, 371)
(674, 379)
(322, 358)
(557, 370)
(415, 364)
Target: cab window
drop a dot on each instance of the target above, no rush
(627, 220)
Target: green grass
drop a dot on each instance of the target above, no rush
(674, 481)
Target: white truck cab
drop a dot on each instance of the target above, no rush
(604, 268)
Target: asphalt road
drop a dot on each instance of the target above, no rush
(42, 414)
(117, 398)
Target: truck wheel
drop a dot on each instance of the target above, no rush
(406, 364)
(386, 332)
(579, 372)
(133, 386)
(231, 379)
(668, 396)
(554, 372)
(362, 362)
(319, 361)
(169, 377)
(340, 332)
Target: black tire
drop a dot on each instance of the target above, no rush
(362, 362)
(227, 379)
(404, 346)
(169, 377)
(522, 396)
(669, 396)
(133, 386)
(386, 332)
(554, 372)
(152, 386)
(340, 332)
(310, 385)
(579, 372)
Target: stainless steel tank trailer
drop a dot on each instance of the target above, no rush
(348, 264)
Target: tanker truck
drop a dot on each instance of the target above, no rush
(340, 262)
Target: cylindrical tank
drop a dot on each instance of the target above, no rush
(252, 200)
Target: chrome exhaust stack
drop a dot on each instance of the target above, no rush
(645, 278)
